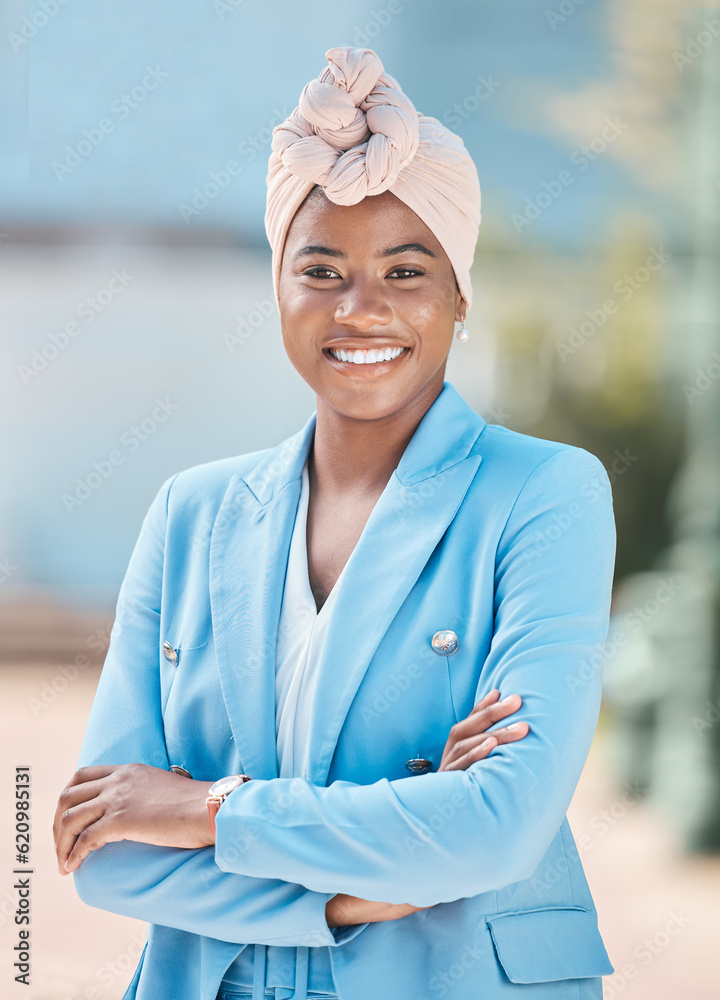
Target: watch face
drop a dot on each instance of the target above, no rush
(225, 785)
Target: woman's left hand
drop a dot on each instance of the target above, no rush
(107, 802)
(469, 740)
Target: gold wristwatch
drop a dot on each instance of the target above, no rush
(219, 791)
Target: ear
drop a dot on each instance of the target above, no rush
(460, 307)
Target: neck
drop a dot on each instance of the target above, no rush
(355, 456)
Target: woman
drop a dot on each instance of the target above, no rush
(337, 617)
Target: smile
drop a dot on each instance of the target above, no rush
(367, 357)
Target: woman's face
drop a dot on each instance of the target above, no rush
(362, 278)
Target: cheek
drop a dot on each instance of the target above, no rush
(299, 330)
(301, 307)
(435, 316)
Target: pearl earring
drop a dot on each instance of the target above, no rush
(462, 333)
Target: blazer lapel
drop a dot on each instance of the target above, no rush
(249, 551)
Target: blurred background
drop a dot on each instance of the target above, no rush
(139, 336)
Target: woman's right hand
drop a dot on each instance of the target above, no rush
(466, 744)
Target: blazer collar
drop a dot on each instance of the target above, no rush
(249, 550)
(444, 436)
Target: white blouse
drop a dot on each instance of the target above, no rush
(301, 631)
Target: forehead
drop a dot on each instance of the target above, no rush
(376, 221)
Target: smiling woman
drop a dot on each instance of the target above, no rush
(297, 766)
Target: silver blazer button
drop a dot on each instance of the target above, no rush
(418, 765)
(445, 642)
(169, 652)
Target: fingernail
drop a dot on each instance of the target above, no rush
(504, 701)
(513, 725)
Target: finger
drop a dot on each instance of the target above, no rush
(478, 752)
(483, 717)
(82, 776)
(511, 703)
(483, 720)
(467, 749)
(512, 733)
(508, 734)
(92, 837)
(73, 822)
(72, 796)
(490, 698)
(492, 695)
(91, 773)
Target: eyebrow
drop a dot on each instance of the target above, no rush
(312, 248)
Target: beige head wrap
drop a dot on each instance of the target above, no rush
(355, 133)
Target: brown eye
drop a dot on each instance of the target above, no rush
(407, 272)
(320, 272)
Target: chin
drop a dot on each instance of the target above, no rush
(365, 401)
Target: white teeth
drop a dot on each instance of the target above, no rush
(359, 357)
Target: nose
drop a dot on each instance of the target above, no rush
(362, 306)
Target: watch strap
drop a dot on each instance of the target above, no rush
(214, 801)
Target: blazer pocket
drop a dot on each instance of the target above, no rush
(549, 943)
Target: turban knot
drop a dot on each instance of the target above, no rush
(353, 130)
(356, 134)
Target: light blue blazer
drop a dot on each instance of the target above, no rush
(505, 539)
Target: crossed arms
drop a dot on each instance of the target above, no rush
(134, 834)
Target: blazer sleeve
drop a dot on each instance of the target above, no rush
(179, 888)
(442, 836)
